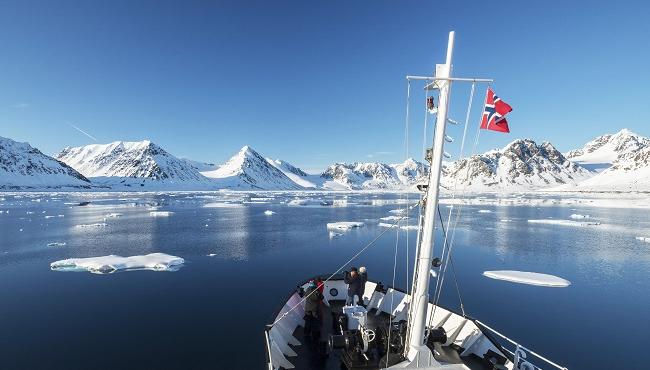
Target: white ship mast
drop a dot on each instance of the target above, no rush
(417, 353)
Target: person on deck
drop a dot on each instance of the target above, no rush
(363, 275)
(353, 280)
(312, 311)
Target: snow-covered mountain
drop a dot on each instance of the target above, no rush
(411, 171)
(249, 170)
(142, 163)
(361, 175)
(25, 167)
(520, 165)
(374, 175)
(625, 163)
(295, 174)
(603, 151)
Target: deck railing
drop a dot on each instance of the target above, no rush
(519, 354)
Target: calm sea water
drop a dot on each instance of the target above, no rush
(211, 313)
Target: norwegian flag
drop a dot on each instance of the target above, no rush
(494, 114)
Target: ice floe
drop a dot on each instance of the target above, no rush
(484, 211)
(506, 220)
(113, 215)
(643, 238)
(112, 263)
(50, 216)
(98, 224)
(530, 278)
(56, 244)
(269, 212)
(393, 218)
(404, 227)
(344, 225)
(160, 213)
(222, 205)
(212, 254)
(564, 222)
(577, 216)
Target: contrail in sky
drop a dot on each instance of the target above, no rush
(82, 131)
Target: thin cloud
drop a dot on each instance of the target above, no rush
(372, 155)
(82, 131)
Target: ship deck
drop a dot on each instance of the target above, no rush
(314, 354)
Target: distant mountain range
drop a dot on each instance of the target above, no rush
(614, 162)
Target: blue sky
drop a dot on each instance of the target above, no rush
(313, 82)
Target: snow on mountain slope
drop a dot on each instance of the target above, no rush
(133, 163)
(361, 175)
(294, 173)
(200, 166)
(25, 167)
(249, 170)
(629, 172)
(521, 165)
(411, 171)
(603, 151)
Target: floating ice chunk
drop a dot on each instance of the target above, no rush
(297, 202)
(505, 220)
(113, 215)
(383, 224)
(99, 224)
(60, 216)
(56, 244)
(50, 216)
(222, 205)
(530, 278)
(212, 254)
(269, 212)
(643, 238)
(21, 230)
(160, 213)
(28, 212)
(393, 218)
(112, 263)
(484, 211)
(345, 225)
(564, 222)
(576, 216)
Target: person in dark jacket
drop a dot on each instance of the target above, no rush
(312, 317)
(354, 282)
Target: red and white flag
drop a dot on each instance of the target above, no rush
(494, 114)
